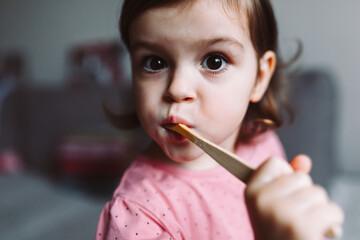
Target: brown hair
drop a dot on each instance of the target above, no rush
(263, 35)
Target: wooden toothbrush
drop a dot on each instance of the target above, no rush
(231, 162)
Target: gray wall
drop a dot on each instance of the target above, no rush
(45, 29)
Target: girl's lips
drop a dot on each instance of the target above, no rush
(174, 136)
(176, 120)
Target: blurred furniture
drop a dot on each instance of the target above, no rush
(37, 121)
(313, 132)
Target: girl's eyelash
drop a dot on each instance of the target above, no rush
(218, 54)
(145, 58)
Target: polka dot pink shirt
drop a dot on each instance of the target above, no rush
(159, 201)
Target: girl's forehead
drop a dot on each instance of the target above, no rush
(235, 10)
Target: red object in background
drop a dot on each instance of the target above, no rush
(10, 162)
(93, 157)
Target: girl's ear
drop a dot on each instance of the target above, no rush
(267, 66)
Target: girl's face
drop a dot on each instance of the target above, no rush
(194, 65)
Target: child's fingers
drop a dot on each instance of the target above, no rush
(285, 186)
(301, 163)
(308, 197)
(282, 195)
(268, 171)
(332, 224)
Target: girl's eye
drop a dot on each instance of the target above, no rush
(154, 64)
(215, 62)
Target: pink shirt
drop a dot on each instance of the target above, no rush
(160, 201)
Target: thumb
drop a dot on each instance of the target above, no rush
(301, 163)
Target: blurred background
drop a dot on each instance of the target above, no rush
(60, 61)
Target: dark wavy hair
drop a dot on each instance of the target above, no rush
(273, 107)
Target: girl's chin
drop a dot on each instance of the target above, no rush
(180, 151)
(195, 161)
(188, 156)
(184, 155)
(177, 152)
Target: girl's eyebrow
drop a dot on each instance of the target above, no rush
(200, 43)
(225, 40)
(144, 44)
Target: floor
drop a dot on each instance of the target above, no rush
(31, 208)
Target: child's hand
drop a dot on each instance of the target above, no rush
(283, 202)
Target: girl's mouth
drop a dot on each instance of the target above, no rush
(173, 136)
(176, 120)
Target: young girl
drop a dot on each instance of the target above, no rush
(210, 65)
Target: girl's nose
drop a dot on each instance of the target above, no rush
(181, 88)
